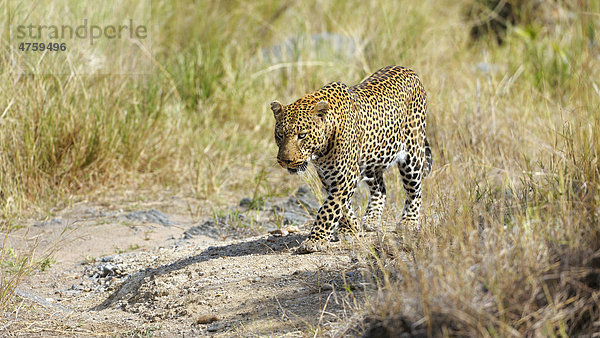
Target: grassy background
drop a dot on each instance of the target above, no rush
(510, 238)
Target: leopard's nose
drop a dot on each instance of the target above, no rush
(286, 161)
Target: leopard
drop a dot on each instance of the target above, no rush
(352, 134)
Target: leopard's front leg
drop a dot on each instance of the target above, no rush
(335, 211)
(322, 230)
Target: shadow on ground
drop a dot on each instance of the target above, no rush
(261, 246)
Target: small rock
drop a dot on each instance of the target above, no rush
(149, 216)
(71, 293)
(292, 229)
(246, 202)
(257, 279)
(54, 221)
(214, 327)
(208, 228)
(206, 319)
(107, 259)
(106, 270)
(279, 232)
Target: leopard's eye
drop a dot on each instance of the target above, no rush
(302, 135)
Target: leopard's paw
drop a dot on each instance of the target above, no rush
(350, 237)
(370, 223)
(367, 227)
(349, 231)
(312, 245)
(407, 224)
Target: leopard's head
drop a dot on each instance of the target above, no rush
(300, 132)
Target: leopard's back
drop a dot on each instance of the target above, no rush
(391, 115)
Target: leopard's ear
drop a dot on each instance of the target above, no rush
(321, 108)
(276, 107)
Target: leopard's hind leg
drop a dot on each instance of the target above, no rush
(418, 161)
(372, 218)
(428, 159)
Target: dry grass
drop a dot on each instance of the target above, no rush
(510, 243)
(510, 239)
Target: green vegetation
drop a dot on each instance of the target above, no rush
(510, 240)
(14, 266)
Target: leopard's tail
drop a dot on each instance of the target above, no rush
(428, 159)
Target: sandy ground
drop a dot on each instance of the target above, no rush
(151, 269)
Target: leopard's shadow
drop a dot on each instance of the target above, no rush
(261, 246)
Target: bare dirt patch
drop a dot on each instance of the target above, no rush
(146, 271)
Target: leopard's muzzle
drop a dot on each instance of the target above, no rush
(297, 169)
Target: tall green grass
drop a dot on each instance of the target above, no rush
(509, 243)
